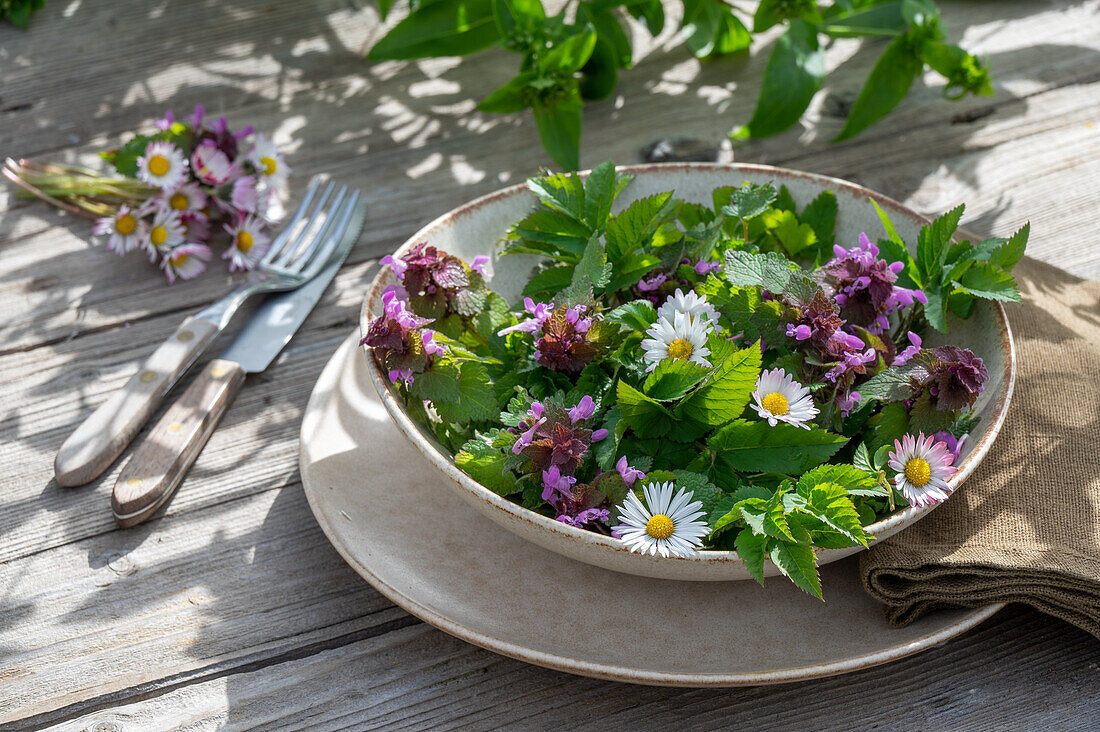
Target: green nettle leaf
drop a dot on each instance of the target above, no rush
(1010, 251)
(798, 563)
(935, 311)
(795, 237)
(830, 504)
(452, 28)
(724, 395)
(793, 75)
(820, 215)
(932, 245)
(607, 448)
(439, 383)
(757, 447)
(888, 425)
(509, 97)
(849, 477)
(644, 415)
(673, 378)
(486, 465)
(884, 89)
(749, 201)
(751, 549)
(702, 490)
(476, 399)
(549, 281)
(862, 459)
(637, 223)
(637, 315)
(601, 189)
(889, 385)
(748, 269)
(560, 132)
(593, 266)
(989, 282)
(563, 193)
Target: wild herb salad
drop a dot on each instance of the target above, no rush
(685, 377)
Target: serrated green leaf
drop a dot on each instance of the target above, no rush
(645, 416)
(889, 385)
(772, 270)
(749, 201)
(636, 224)
(757, 447)
(798, 563)
(486, 465)
(476, 399)
(673, 378)
(600, 190)
(862, 459)
(549, 281)
(439, 383)
(987, 281)
(830, 504)
(750, 548)
(638, 315)
(795, 236)
(932, 244)
(888, 425)
(820, 215)
(846, 476)
(1011, 251)
(724, 395)
(593, 266)
(607, 449)
(702, 489)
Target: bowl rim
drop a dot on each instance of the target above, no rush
(446, 465)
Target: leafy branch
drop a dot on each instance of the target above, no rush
(575, 56)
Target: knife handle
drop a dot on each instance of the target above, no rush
(102, 437)
(171, 446)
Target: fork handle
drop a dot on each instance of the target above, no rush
(167, 452)
(102, 437)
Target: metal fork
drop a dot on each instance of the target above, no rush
(297, 254)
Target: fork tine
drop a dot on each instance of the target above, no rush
(304, 235)
(317, 234)
(332, 236)
(322, 244)
(280, 241)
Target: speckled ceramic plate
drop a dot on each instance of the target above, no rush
(385, 509)
(476, 227)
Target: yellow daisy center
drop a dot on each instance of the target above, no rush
(270, 165)
(918, 472)
(178, 259)
(776, 403)
(158, 235)
(659, 527)
(178, 201)
(158, 165)
(680, 348)
(244, 241)
(125, 225)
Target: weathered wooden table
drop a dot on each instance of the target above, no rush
(230, 608)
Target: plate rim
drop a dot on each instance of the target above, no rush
(599, 544)
(349, 347)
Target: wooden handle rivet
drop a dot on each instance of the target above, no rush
(134, 482)
(185, 335)
(175, 427)
(217, 372)
(148, 376)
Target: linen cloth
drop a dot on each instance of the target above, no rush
(1025, 527)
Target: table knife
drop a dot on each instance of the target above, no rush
(171, 446)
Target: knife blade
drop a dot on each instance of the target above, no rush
(171, 446)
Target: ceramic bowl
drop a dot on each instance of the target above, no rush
(476, 228)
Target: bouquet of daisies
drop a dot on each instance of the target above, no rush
(190, 185)
(686, 377)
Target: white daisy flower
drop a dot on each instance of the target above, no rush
(923, 468)
(693, 305)
(682, 337)
(779, 398)
(267, 161)
(125, 229)
(186, 199)
(665, 524)
(250, 244)
(186, 262)
(210, 165)
(162, 165)
(165, 233)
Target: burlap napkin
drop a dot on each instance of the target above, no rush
(1025, 527)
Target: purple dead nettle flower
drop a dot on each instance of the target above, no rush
(478, 265)
(649, 284)
(953, 376)
(703, 267)
(629, 474)
(865, 286)
(954, 444)
(540, 312)
(561, 334)
(554, 482)
(396, 335)
(554, 436)
(586, 517)
(847, 402)
(437, 281)
(910, 351)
